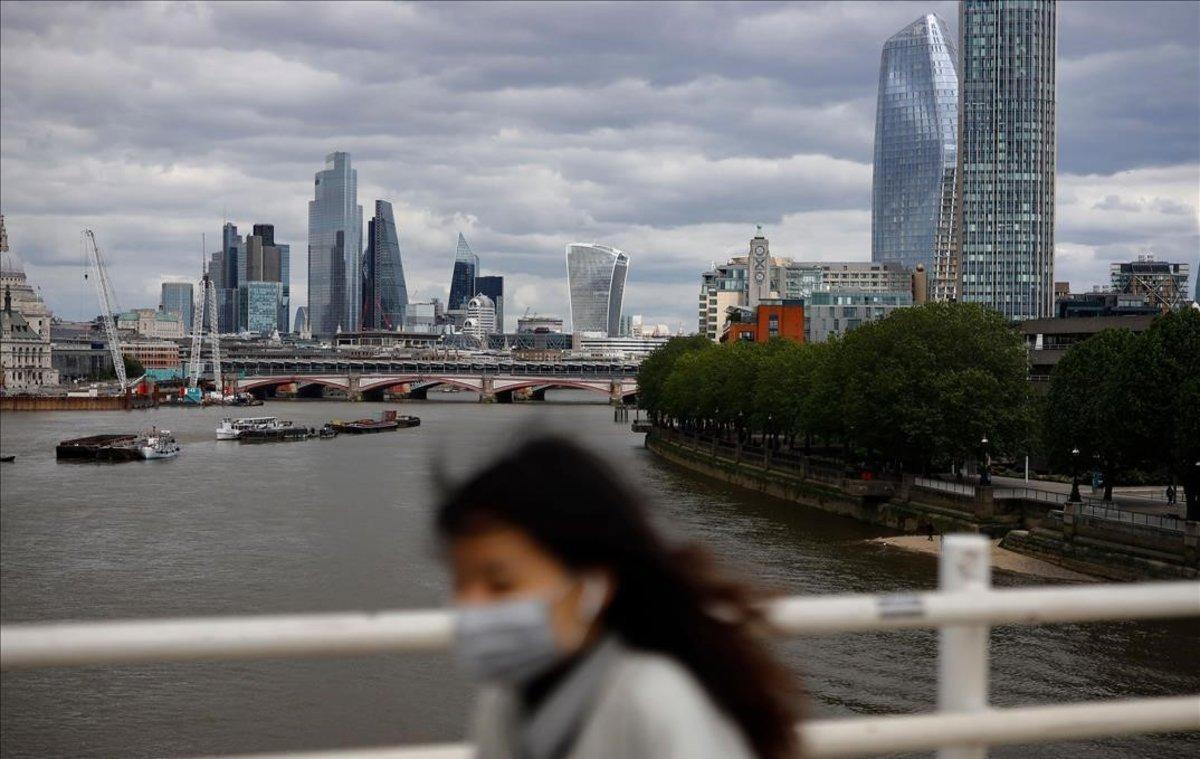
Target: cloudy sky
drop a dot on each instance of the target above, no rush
(666, 130)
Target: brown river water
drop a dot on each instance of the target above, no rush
(344, 524)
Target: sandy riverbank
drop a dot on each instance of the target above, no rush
(1007, 561)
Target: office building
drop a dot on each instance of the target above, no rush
(177, 298)
(596, 287)
(770, 320)
(1162, 285)
(916, 138)
(334, 248)
(424, 316)
(799, 279)
(150, 322)
(721, 288)
(493, 287)
(259, 302)
(481, 318)
(1006, 153)
(462, 278)
(385, 293)
(301, 322)
(827, 314)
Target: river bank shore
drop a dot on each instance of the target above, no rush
(1002, 559)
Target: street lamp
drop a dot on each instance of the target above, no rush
(1075, 476)
(984, 477)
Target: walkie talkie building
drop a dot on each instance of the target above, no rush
(596, 285)
(916, 138)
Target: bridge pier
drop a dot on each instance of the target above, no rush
(353, 393)
(487, 390)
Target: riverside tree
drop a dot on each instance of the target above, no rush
(1087, 408)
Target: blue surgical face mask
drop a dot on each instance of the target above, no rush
(512, 642)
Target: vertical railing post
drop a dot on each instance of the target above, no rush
(965, 567)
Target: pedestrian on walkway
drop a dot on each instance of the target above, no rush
(929, 528)
(1171, 493)
(592, 635)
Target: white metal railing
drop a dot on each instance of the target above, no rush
(957, 488)
(964, 608)
(1030, 494)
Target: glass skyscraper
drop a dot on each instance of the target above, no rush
(1007, 155)
(916, 137)
(385, 294)
(493, 287)
(335, 248)
(177, 298)
(259, 303)
(462, 279)
(596, 286)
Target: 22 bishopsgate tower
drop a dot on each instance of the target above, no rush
(1006, 152)
(916, 136)
(335, 248)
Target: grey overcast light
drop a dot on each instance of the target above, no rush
(668, 130)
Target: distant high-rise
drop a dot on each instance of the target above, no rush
(1006, 155)
(596, 286)
(177, 298)
(916, 138)
(301, 321)
(385, 294)
(493, 287)
(462, 280)
(334, 248)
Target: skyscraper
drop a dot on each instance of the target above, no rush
(177, 298)
(462, 280)
(334, 248)
(1006, 154)
(916, 138)
(384, 292)
(596, 286)
(493, 287)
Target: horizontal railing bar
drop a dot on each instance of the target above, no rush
(313, 635)
(869, 736)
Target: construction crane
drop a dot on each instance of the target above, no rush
(104, 294)
(205, 305)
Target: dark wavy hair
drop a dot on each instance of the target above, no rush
(670, 600)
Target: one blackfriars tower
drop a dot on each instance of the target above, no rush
(916, 139)
(335, 249)
(1006, 151)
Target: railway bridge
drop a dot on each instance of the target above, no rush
(500, 381)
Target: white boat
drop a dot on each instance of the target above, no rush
(159, 444)
(231, 429)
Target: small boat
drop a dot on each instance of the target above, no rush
(232, 429)
(7, 459)
(275, 434)
(157, 444)
(327, 432)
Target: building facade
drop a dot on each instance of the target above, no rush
(596, 287)
(1162, 285)
(828, 314)
(385, 293)
(462, 278)
(493, 287)
(260, 304)
(536, 323)
(301, 321)
(153, 354)
(916, 139)
(769, 320)
(1006, 151)
(335, 248)
(178, 298)
(25, 357)
(150, 322)
(481, 318)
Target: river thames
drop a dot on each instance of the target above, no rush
(344, 524)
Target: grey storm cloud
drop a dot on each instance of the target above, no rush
(667, 129)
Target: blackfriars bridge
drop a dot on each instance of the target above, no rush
(502, 380)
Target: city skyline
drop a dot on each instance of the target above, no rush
(669, 155)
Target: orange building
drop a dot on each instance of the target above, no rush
(781, 318)
(153, 354)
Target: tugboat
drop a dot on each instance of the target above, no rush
(157, 444)
(327, 432)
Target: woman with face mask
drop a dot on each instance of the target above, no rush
(592, 637)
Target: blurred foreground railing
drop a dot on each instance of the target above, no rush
(963, 610)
